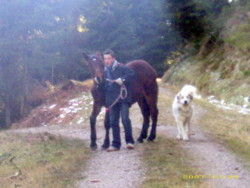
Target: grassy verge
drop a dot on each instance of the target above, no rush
(169, 166)
(230, 127)
(165, 101)
(223, 73)
(40, 160)
(240, 37)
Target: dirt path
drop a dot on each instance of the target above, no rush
(114, 169)
(212, 158)
(125, 169)
(122, 169)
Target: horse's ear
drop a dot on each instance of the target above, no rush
(99, 55)
(85, 56)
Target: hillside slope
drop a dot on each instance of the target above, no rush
(220, 69)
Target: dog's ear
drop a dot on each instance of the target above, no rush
(178, 96)
(190, 96)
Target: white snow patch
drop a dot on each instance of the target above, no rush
(80, 121)
(62, 116)
(223, 105)
(52, 106)
(43, 124)
(247, 99)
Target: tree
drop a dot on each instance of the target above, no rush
(36, 42)
(133, 30)
(194, 19)
(44, 40)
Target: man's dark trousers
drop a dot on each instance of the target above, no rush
(121, 108)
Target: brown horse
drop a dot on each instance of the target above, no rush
(144, 92)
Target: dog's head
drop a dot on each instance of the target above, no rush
(184, 99)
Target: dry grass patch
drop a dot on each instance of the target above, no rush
(40, 160)
(168, 165)
(167, 162)
(230, 127)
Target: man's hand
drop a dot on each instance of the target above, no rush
(119, 81)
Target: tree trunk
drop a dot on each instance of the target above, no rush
(7, 111)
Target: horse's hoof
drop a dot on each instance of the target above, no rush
(140, 140)
(144, 137)
(93, 146)
(105, 146)
(151, 139)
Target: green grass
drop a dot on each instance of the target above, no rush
(240, 38)
(246, 73)
(40, 160)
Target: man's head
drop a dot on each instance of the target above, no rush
(108, 57)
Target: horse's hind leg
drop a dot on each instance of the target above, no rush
(106, 142)
(152, 103)
(95, 111)
(154, 117)
(146, 115)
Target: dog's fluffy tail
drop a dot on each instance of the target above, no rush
(189, 89)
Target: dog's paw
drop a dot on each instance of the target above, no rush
(178, 137)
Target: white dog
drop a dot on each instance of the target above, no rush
(183, 110)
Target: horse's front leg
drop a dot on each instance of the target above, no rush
(95, 111)
(106, 142)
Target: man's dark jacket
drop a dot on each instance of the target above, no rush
(112, 90)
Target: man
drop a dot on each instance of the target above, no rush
(117, 75)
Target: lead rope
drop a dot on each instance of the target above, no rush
(123, 94)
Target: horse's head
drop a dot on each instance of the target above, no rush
(95, 64)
